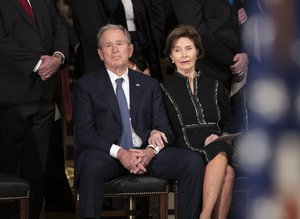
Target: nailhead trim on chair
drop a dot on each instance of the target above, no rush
(135, 193)
(161, 189)
(15, 197)
(15, 189)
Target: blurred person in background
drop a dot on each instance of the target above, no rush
(219, 22)
(143, 19)
(269, 153)
(58, 194)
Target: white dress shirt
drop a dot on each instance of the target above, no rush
(129, 13)
(136, 140)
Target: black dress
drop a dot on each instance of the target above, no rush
(196, 116)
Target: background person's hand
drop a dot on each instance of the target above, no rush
(240, 64)
(147, 72)
(242, 16)
(49, 66)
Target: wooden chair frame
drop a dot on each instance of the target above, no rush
(163, 204)
(23, 202)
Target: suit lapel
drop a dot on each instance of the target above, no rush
(104, 84)
(36, 7)
(18, 6)
(135, 93)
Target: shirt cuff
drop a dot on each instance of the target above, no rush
(63, 56)
(155, 148)
(37, 66)
(114, 150)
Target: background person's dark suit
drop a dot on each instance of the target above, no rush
(58, 194)
(98, 125)
(26, 107)
(89, 16)
(217, 23)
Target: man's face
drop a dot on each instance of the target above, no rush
(115, 50)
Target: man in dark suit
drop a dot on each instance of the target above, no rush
(100, 129)
(33, 45)
(144, 19)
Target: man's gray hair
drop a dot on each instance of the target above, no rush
(112, 27)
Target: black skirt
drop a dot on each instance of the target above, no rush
(211, 150)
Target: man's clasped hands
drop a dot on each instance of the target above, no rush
(137, 160)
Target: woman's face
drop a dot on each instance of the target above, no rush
(184, 55)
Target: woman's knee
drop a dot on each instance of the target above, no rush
(220, 159)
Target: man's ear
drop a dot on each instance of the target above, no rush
(100, 54)
(131, 48)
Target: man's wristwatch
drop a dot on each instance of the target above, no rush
(156, 148)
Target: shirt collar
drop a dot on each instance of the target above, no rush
(113, 76)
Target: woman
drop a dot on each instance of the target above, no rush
(199, 111)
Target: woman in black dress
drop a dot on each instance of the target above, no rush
(199, 111)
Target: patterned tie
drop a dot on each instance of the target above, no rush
(27, 8)
(126, 139)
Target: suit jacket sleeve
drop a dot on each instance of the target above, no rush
(88, 17)
(159, 117)
(226, 121)
(158, 22)
(22, 53)
(15, 54)
(60, 34)
(73, 39)
(191, 12)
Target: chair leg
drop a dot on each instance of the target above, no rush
(175, 204)
(24, 204)
(164, 205)
(132, 206)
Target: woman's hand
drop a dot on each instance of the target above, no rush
(210, 139)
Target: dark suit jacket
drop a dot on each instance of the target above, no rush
(216, 21)
(89, 16)
(21, 44)
(97, 117)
